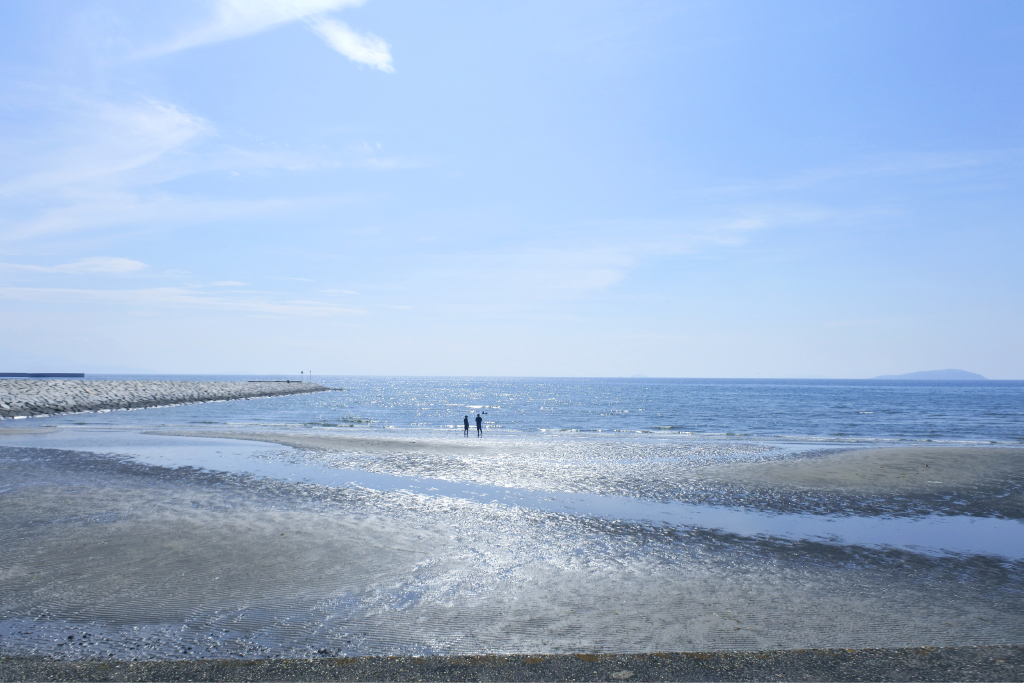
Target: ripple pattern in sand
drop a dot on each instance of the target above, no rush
(109, 558)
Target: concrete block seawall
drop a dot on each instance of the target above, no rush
(34, 398)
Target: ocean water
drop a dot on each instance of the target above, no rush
(592, 516)
(841, 411)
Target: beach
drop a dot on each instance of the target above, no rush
(198, 534)
(111, 556)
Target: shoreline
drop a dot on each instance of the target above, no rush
(967, 663)
(22, 398)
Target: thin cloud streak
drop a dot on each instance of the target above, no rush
(123, 208)
(537, 276)
(103, 141)
(104, 166)
(893, 165)
(171, 297)
(91, 265)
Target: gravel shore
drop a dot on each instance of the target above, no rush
(989, 663)
(35, 398)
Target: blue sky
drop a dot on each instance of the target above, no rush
(679, 189)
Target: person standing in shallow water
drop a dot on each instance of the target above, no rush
(465, 421)
(479, 422)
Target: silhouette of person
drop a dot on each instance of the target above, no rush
(479, 422)
(465, 421)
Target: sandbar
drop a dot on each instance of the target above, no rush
(882, 470)
(342, 443)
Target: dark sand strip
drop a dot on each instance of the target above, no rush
(985, 663)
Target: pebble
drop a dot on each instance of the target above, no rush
(966, 663)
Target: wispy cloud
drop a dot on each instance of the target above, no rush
(92, 265)
(105, 165)
(171, 297)
(679, 237)
(555, 271)
(114, 208)
(894, 164)
(97, 141)
(600, 256)
(365, 49)
(366, 155)
(237, 18)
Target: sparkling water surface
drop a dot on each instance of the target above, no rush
(962, 411)
(579, 522)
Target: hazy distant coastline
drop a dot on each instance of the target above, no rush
(935, 374)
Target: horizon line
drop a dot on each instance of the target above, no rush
(888, 378)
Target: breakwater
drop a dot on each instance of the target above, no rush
(35, 398)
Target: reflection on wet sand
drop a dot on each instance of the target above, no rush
(983, 482)
(141, 555)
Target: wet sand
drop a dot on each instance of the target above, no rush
(875, 470)
(983, 482)
(343, 443)
(884, 470)
(105, 556)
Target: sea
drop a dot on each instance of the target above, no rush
(586, 517)
(809, 411)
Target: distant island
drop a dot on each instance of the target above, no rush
(935, 374)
